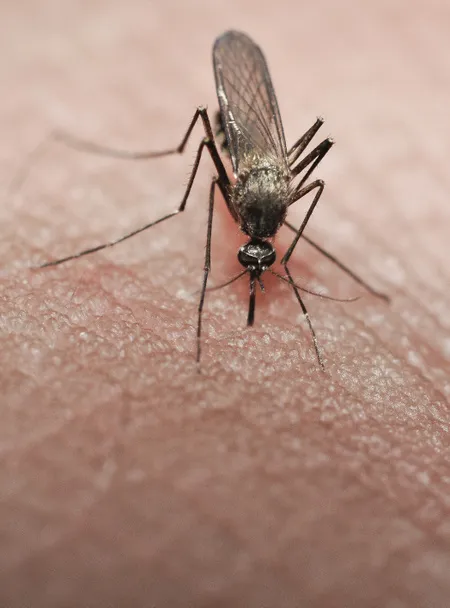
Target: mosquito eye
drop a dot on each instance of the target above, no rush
(245, 259)
(270, 258)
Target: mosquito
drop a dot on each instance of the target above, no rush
(268, 177)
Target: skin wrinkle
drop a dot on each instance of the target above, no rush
(372, 177)
(59, 540)
(51, 432)
(388, 251)
(383, 245)
(259, 481)
(341, 385)
(80, 516)
(203, 512)
(409, 366)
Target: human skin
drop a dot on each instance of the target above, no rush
(127, 478)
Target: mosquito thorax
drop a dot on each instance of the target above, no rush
(261, 198)
(257, 255)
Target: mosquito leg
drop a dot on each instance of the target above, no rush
(82, 145)
(224, 187)
(206, 269)
(340, 265)
(305, 312)
(319, 185)
(300, 145)
(219, 132)
(314, 157)
(229, 282)
(94, 148)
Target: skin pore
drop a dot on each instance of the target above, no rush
(127, 478)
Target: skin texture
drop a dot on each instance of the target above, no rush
(126, 477)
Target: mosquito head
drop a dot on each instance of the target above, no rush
(256, 256)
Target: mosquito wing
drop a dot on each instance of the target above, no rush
(248, 105)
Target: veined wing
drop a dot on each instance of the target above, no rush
(247, 100)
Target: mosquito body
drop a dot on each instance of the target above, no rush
(258, 203)
(269, 177)
(259, 199)
(264, 169)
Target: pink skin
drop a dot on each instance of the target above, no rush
(126, 477)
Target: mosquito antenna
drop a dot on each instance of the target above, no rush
(313, 293)
(229, 282)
